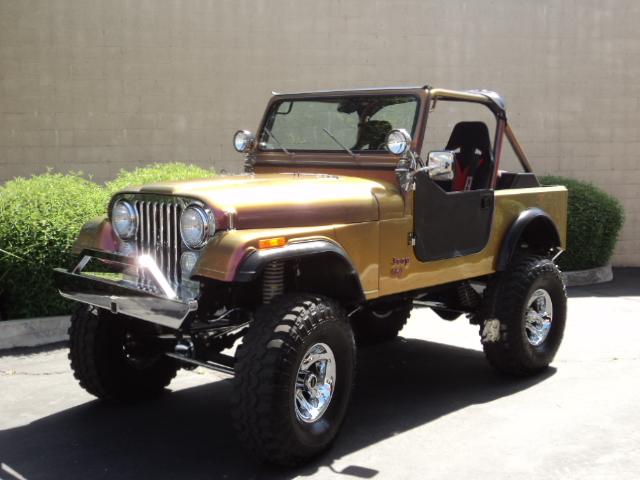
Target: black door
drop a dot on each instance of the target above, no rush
(450, 224)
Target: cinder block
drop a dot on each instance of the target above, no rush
(139, 82)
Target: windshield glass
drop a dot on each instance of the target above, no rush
(357, 123)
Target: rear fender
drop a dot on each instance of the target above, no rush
(533, 226)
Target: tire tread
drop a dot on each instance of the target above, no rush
(503, 299)
(88, 352)
(267, 352)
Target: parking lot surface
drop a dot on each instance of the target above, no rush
(424, 406)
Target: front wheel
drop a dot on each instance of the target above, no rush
(294, 372)
(524, 315)
(115, 358)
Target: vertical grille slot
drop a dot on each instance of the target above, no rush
(177, 211)
(158, 237)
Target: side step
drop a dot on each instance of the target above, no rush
(222, 363)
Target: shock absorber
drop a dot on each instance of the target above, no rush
(467, 296)
(272, 281)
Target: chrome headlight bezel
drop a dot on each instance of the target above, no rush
(243, 141)
(206, 226)
(398, 141)
(129, 230)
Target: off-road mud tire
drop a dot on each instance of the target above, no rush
(266, 366)
(99, 362)
(505, 300)
(371, 327)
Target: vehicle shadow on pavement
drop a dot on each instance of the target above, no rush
(188, 434)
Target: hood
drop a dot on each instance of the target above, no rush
(286, 200)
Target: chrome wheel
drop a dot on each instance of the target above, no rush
(315, 383)
(538, 317)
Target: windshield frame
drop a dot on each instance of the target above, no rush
(277, 100)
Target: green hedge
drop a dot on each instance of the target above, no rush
(40, 217)
(157, 172)
(594, 222)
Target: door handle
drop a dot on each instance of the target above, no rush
(485, 201)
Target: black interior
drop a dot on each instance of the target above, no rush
(508, 180)
(373, 135)
(473, 143)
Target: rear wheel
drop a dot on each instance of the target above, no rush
(524, 315)
(116, 358)
(379, 325)
(294, 372)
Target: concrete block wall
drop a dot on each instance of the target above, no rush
(99, 86)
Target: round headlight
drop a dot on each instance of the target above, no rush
(195, 225)
(124, 219)
(398, 141)
(243, 140)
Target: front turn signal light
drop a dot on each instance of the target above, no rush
(272, 242)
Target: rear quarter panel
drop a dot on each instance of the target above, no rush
(400, 270)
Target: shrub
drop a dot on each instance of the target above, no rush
(594, 221)
(40, 218)
(157, 172)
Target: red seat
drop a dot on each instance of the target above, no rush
(473, 164)
(461, 179)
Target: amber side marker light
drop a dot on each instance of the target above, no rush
(272, 242)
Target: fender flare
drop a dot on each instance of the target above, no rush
(251, 267)
(516, 230)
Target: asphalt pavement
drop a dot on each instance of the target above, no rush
(426, 406)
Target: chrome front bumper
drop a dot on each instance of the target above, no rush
(119, 297)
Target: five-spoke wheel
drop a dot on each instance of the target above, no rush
(315, 380)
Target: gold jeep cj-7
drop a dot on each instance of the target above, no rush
(355, 207)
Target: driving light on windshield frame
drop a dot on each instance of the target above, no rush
(398, 141)
(243, 140)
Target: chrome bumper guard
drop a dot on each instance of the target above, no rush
(120, 297)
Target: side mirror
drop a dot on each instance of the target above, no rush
(243, 141)
(440, 165)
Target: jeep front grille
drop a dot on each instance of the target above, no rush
(158, 235)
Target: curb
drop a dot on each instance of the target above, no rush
(33, 332)
(592, 276)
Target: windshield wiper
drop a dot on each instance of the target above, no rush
(277, 141)
(339, 143)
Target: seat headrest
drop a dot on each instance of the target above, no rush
(470, 135)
